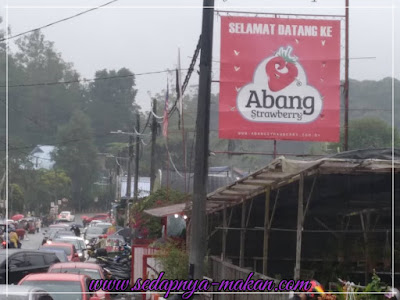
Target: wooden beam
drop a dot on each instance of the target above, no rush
(258, 182)
(273, 209)
(242, 235)
(244, 187)
(234, 193)
(248, 215)
(299, 227)
(271, 176)
(309, 198)
(225, 198)
(266, 231)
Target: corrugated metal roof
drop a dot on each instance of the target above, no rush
(282, 171)
(166, 210)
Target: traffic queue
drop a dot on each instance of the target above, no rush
(69, 257)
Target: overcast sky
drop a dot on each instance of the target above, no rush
(144, 35)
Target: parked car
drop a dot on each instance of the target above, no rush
(17, 292)
(69, 249)
(79, 244)
(22, 262)
(66, 215)
(93, 233)
(61, 255)
(94, 271)
(56, 283)
(104, 225)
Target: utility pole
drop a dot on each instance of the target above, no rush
(136, 192)
(129, 176)
(346, 81)
(153, 147)
(198, 246)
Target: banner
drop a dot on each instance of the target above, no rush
(279, 79)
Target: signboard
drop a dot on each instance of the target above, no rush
(279, 79)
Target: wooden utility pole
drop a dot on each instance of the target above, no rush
(129, 175)
(299, 227)
(153, 147)
(137, 150)
(266, 230)
(198, 245)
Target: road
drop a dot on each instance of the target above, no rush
(34, 241)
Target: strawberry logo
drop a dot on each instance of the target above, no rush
(281, 69)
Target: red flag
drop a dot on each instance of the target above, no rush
(165, 121)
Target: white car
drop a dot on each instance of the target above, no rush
(66, 216)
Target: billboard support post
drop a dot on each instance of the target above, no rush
(346, 81)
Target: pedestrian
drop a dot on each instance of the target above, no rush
(38, 224)
(13, 238)
(76, 230)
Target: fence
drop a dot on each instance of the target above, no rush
(222, 270)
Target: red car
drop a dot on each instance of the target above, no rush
(69, 250)
(92, 270)
(101, 217)
(75, 285)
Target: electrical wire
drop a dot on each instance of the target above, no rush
(56, 22)
(84, 79)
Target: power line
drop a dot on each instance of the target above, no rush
(56, 22)
(85, 80)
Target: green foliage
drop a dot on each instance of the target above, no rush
(151, 226)
(77, 156)
(174, 260)
(16, 197)
(376, 285)
(368, 132)
(112, 104)
(55, 183)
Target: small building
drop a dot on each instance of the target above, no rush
(41, 157)
(143, 186)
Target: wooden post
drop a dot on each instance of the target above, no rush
(224, 233)
(266, 230)
(242, 235)
(299, 227)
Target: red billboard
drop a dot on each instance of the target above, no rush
(279, 79)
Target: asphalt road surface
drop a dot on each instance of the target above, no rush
(34, 241)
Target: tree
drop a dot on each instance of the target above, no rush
(368, 132)
(112, 104)
(36, 111)
(16, 198)
(77, 156)
(54, 185)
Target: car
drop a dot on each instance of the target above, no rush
(17, 292)
(101, 217)
(94, 271)
(74, 284)
(22, 262)
(93, 233)
(104, 225)
(61, 233)
(69, 249)
(61, 255)
(79, 244)
(66, 215)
